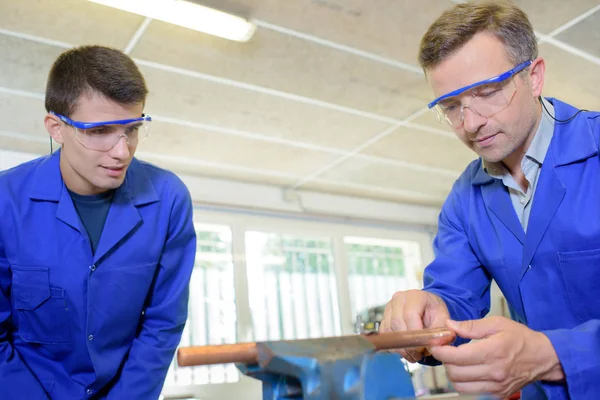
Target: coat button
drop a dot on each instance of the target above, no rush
(91, 337)
(89, 391)
(93, 267)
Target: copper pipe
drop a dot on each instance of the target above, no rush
(219, 354)
(247, 353)
(409, 339)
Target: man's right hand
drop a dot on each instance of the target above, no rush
(414, 310)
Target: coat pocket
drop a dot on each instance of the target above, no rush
(581, 273)
(41, 311)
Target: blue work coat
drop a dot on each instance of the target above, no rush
(549, 276)
(77, 325)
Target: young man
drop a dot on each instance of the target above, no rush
(96, 247)
(525, 214)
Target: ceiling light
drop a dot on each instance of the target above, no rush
(189, 15)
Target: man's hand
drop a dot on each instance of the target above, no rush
(508, 357)
(412, 310)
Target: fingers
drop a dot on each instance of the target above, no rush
(478, 388)
(407, 311)
(474, 353)
(490, 365)
(398, 324)
(393, 314)
(476, 329)
(384, 326)
(414, 309)
(393, 321)
(438, 317)
(471, 373)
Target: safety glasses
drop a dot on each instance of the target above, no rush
(484, 98)
(103, 136)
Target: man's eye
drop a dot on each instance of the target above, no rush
(133, 130)
(98, 131)
(488, 93)
(449, 107)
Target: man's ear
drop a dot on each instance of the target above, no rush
(536, 74)
(54, 128)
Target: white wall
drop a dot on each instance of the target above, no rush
(211, 191)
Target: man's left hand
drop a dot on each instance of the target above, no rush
(508, 357)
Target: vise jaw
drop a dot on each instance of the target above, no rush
(338, 368)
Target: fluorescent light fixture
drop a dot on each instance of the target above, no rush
(189, 15)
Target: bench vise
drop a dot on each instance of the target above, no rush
(346, 367)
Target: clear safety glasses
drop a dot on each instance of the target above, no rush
(484, 98)
(103, 136)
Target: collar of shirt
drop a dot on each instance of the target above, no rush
(48, 184)
(536, 151)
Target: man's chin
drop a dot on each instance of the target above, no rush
(110, 184)
(491, 160)
(491, 156)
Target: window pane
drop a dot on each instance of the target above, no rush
(377, 268)
(212, 312)
(292, 286)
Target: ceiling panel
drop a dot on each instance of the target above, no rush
(389, 28)
(429, 121)
(22, 115)
(182, 97)
(198, 167)
(25, 64)
(365, 172)
(22, 145)
(372, 192)
(571, 79)
(208, 146)
(280, 62)
(71, 21)
(585, 35)
(547, 15)
(445, 152)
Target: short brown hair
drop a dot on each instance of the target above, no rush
(456, 26)
(100, 69)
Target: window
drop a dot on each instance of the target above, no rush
(377, 268)
(263, 278)
(212, 312)
(292, 286)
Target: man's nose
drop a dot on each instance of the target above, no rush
(121, 149)
(472, 121)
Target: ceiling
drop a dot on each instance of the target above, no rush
(327, 96)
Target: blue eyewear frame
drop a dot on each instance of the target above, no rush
(502, 77)
(89, 125)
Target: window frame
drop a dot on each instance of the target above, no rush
(300, 225)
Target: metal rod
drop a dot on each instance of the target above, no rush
(247, 353)
(409, 339)
(218, 354)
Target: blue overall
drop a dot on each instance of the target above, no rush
(550, 276)
(76, 324)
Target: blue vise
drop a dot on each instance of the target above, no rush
(345, 368)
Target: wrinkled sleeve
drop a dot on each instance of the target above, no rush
(144, 371)
(578, 351)
(456, 274)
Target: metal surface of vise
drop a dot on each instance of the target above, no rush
(347, 368)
